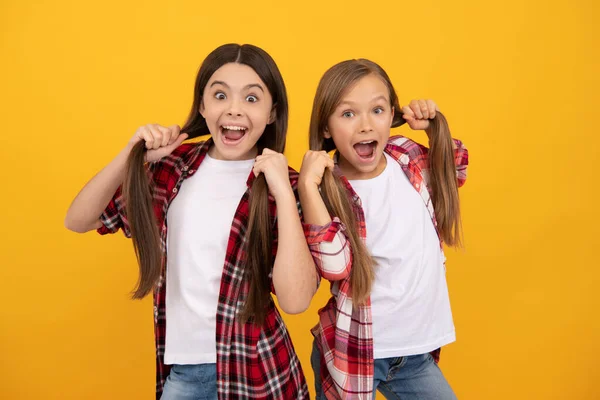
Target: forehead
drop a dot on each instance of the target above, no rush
(366, 89)
(236, 76)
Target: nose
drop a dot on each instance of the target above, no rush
(235, 108)
(365, 125)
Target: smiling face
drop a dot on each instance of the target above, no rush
(237, 106)
(360, 127)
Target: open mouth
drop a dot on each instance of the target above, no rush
(233, 134)
(366, 150)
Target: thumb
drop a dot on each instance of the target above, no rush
(331, 165)
(173, 131)
(180, 140)
(407, 112)
(257, 169)
(177, 142)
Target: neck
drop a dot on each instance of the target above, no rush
(213, 152)
(353, 173)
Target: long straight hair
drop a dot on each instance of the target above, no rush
(334, 84)
(137, 188)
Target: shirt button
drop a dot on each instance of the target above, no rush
(174, 190)
(185, 168)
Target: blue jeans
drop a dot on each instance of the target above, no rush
(191, 382)
(407, 378)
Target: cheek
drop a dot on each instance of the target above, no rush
(210, 112)
(341, 137)
(259, 116)
(342, 132)
(384, 123)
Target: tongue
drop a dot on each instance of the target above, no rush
(364, 150)
(233, 135)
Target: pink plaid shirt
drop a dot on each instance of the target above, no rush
(344, 332)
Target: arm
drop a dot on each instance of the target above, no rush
(84, 213)
(326, 240)
(294, 276)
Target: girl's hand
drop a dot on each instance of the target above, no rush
(160, 140)
(313, 168)
(418, 113)
(275, 168)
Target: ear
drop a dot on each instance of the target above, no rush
(326, 133)
(201, 109)
(273, 115)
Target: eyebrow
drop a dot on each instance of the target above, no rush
(256, 85)
(350, 103)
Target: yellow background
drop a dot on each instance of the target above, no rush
(518, 82)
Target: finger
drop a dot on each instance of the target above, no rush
(432, 107)
(325, 158)
(166, 136)
(177, 142)
(157, 130)
(268, 151)
(175, 131)
(408, 114)
(424, 109)
(161, 128)
(331, 164)
(147, 136)
(156, 134)
(260, 160)
(416, 108)
(258, 168)
(139, 133)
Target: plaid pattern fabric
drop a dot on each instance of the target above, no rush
(344, 332)
(324, 261)
(252, 362)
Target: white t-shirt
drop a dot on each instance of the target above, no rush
(410, 303)
(199, 221)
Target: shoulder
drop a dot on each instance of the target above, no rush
(167, 171)
(186, 152)
(404, 144)
(404, 149)
(182, 155)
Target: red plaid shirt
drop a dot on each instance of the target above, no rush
(344, 332)
(252, 362)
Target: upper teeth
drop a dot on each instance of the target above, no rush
(369, 142)
(234, 128)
